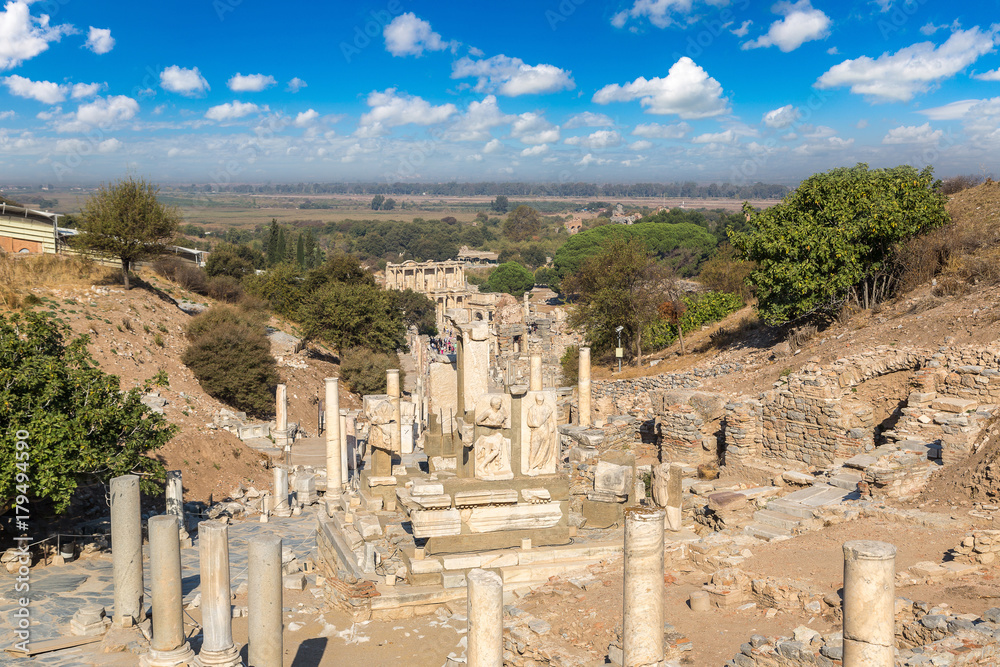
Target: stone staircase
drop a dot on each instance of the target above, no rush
(787, 515)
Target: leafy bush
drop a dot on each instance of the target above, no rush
(701, 309)
(360, 315)
(281, 286)
(230, 356)
(363, 370)
(725, 271)
(832, 239)
(80, 423)
(231, 260)
(225, 288)
(570, 362)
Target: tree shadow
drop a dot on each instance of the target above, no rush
(310, 652)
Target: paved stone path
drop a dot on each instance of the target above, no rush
(57, 592)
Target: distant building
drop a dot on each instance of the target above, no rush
(574, 226)
(619, 217)
(465, 254)
(444, 284)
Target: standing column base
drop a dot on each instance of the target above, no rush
(228, 658)
(672, 518)
(178, 657)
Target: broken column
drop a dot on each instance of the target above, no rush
(264, 623)
(485, 612)
(642, 634)
(869, 604)
(281, 505)
(126, 549)
(168, 646)
(675, 498)
(334, 475)
(281, 415)
(218, 648)
(392, 389)
(535, 382)
(583, 386)
(175, 503)
(344, 463)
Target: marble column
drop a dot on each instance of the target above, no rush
(869, 604)
(535, 382)
(583, 387)
(264, 622)
(642, 634)
(218, 648)
(126, 549)
(281, 504)
(675, 498)
(168, 646)
(344, 468)
(352, 442)
(334, 474)
(485, 613)
(281, 415)
(175, 503)
(392, 389)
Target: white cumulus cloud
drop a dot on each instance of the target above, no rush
(481, 117)
(305, 118)
(659, 12)
(232, 111)
(99, 40)
(801, 23)
(407, 35)
(724, 137)
(781, 117)
(250, 83)
(492, 146)
(913, 134)
(640, 145)
(23, 36)
(512, 76)
(533, 128)
(687, 91)
(589, 119)
(992, 75)
(109, 146)
(390, 109)
(597, 141)
(104, 112)
(187, 82)
(901, 75)
(45, 92)
(540, 149)
(81, 90)
(295, 85)
(658, 131)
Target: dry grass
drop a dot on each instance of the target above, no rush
(801, 335)
(20, 274)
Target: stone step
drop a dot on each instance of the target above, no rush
(766, 533)
(818, 495)
(846, 481)
(783, 506)
(777, 519)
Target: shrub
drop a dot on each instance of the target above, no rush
(726, 272)
(363, 370)
(700, 309)
(950, 186)
(347, 316)
(231, 260)
(281, 286)
(230, 356)
(225, 288)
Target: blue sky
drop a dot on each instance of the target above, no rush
(219, 91)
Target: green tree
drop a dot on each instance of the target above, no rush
(280, 286)
(309, 250)
(499, 204)
(377, 202)
(364, 371)
(80, 425)
(341, 268)
(272, 243)
(417, 310)
(300, 251)
(280, 248)
(510, 277)
(230, 355)
(831, 239)
(621, 286)
(125, 220)
(522, 223)
(389, 204)
(230, 260)
(353, 315)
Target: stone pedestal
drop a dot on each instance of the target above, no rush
(869, 604)
(485, 612)
(583, 388)
(642, 635)
(264, 622)
(334, 474)
(535, 382)
(90, 620)
(281, 505)
(126, 549)
(168, 647)
(218, 648)
(305, 489)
